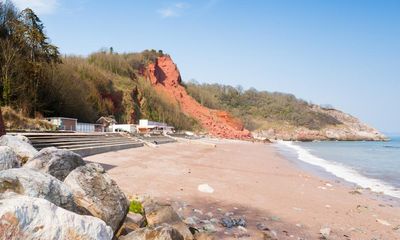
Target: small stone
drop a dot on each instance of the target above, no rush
(209, 214)
(210, 228)
(228, 214)
(198, 211)
(242, 229)
(383, 222)
(325, 232)
(205, 188)
(191, 220)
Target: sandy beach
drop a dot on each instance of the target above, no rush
(252, 181)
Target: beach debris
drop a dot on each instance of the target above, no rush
(229, 222)
(323, 188)
(209, 228)
(198, 211)
(328, 206)
(193, 220)
(227, 214)
(297, 209)
(354, 192)
(325, 232)
(242, 229)
(298, 225)
(275, 218)
(205, 188)
(270, 235)
(383, 222)
(328, 185)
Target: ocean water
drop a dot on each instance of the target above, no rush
(374, 165)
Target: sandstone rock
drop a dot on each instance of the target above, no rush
(162, 232)
(95, 191)
(39, 185)
(56, 162)
(157, 214)
(133, 222)
(23, 217)
(23, 149)
(8, 158)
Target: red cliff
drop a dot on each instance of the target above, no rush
(165, 77)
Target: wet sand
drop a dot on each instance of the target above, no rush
(253, 181)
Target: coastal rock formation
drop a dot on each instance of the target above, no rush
(22, 148)
(36, 184)
(163, 232)
(95, 191)
(24, 217)
(165, 77)
(56, 162)
(158, 214)
(8, 158)
(350, 129)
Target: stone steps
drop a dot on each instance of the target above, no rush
(84, 144)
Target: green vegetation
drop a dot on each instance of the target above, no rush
(255, 108)
(135, 207)
(36, 80)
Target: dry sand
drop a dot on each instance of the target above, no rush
(251, 180)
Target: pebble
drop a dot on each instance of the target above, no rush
(242, 229)
(383, 222)
(198, 211)
(230, 222)
(209, 214)
(325, 232)
(205, 188)
(191, 220)
(209, 228)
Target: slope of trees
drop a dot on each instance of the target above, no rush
(252, 105)
(36, 81)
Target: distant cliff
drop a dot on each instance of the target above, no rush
(350, 129)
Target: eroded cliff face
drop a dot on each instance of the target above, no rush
(165, 77)
(351, 129)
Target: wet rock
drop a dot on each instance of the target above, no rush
(23, 149)
(8, 158)
(56, 162)
(162, 232)
(158, 214)
(39, 185)
(94, 191)
(229, 222)
(24, 217)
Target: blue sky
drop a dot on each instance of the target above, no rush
(344, 52)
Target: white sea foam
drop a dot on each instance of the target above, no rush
(342, 171)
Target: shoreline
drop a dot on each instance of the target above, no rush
(252, 180)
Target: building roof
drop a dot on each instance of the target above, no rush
(106, 120)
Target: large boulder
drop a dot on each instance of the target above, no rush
(36, 184)
(22, 148)
(8, 158)
(159, 213)
(95, 191)
(56, 162)
(162, 232)
(24, 217)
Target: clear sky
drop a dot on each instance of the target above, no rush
(344, 52)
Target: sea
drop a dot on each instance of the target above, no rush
(373, 165)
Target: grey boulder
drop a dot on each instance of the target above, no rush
(95, 191)
(18, 144)
(8, 158)
(39, 185)
(56, 162)
(24, 217)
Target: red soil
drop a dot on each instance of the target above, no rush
(165, 76)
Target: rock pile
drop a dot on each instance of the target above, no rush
(54, 194)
